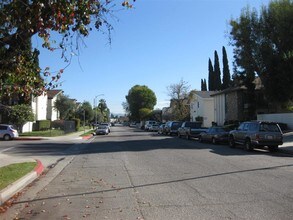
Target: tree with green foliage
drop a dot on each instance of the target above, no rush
(59, 25)
(211, 80)
(65, 106)
(205, 88)
(144, 113)
(217, 73)
(12, 83)
(245, 41)
(263, 45)
(85, 112)
(139, 97)
(156, 115)
(104, 110)
(203, 85)
(226, 72)
(21, 114)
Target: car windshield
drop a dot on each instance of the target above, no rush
(102, 127)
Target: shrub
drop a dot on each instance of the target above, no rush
(58, 124)
(43, 125)
(77, 123)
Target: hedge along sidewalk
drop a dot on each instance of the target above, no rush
(55, 133)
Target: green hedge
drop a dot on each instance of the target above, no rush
(77, 123)
(58, 124)
(43, 125)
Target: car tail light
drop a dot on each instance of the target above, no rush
(12, 130)
(257, 137)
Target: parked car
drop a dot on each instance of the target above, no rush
(8, 132)
(154, 127)
(161, 128)
(215, 135)
(257, 134)
(190, 129)
(148, 124)
(102, 129)
(107, 124)
(171, 127)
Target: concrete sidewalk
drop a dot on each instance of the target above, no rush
(5, 160)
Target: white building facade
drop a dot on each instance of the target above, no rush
(202, 107)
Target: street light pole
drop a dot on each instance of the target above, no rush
(95, 105)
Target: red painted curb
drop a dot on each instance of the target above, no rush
(39, 168)
(87, 137)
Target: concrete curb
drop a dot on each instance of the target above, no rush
(20, 184)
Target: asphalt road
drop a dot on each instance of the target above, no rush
(130, 174)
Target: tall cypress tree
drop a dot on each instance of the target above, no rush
(226, 72)
(201, 85)
(205, 85)
(217, 73)
(211, 76)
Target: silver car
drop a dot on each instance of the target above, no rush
(102, 129)
(8, 132)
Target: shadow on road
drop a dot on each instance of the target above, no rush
(131, 142)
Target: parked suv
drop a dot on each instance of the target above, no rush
(257, 134)
(190, 129)
(8, 132)
(171, 127)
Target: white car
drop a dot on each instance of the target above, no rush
(154, 127)
(8, 132)
(148, 124)
(106, 124)
(102, 129)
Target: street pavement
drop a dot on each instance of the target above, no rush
(6, 159)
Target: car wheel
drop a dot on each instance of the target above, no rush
(231, 142)
(179, 135)
(7, 137)
(273, 148)
(214, 141)
(248, 146)
(200, 139)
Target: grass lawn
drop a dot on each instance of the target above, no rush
(13, 172)
(88, 133)
(54, 133)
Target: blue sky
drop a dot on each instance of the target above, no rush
(156, 44)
